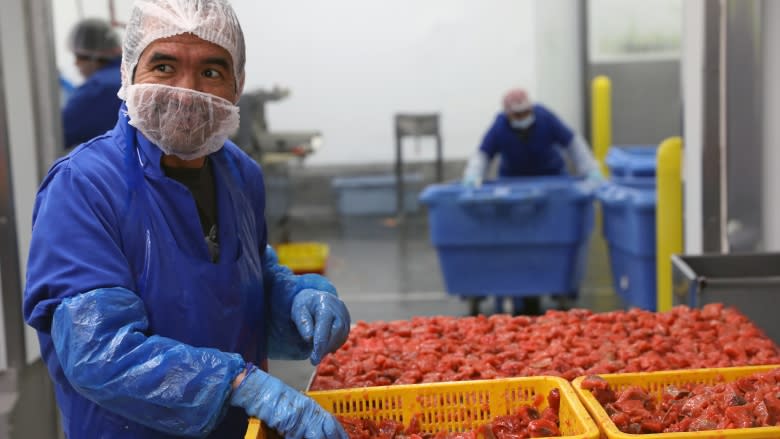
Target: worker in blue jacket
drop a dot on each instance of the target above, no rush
(150, 283)
(530, 141)
(92, 107)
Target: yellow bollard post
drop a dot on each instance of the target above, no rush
(601, 123)
(668, 217)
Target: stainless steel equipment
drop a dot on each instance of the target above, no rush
(750, 282)
(275, 151)
(264, 145)
(415, 126)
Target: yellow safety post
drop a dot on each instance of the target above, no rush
(601, 123)
(668, 216)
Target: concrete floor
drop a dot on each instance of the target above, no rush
(386, 270)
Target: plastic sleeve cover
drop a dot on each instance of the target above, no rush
(476, 167)
(101, 341)
(582, 157)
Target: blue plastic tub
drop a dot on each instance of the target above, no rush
(375, 194)
(633, 165)
(513, 237)
(629, 229)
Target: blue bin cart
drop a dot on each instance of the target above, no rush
(629, 229)
(515, 237)
(633, 165)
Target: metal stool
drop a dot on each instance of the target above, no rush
(415, 126)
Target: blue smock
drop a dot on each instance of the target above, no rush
(92, 107)
(107, 223)
(535, 155)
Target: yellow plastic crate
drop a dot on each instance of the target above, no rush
(655, 383)
(255, 430)
(304, 257)
(458, 406)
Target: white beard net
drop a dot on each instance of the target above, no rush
(182, 122)
(211, 20)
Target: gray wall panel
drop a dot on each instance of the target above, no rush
(744, 103)
(646, 99)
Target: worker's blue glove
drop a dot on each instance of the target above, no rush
(475, 170)
(472, 181)
(595, 180)
(322, 320)
(284, 409)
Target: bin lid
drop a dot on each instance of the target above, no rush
(632, 161)
(504, 190)
(617, 195)
(374, 181)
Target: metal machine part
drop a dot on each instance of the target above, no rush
(749, 281)
(274, 151)
(415, 126)
(264, 145)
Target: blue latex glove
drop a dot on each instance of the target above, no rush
(595, 175)
(472, 182)
(595, 180)
(284, 409)
(475, 170)
(322, 319)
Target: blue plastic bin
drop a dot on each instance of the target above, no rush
(629, 229)
(375, 194)
(513, 237)
(632, 165)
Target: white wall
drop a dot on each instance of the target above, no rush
(771, 17)
(559, 60)
(692, 61)
(352, 64)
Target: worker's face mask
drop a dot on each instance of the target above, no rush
(524, 123)
(182, 122)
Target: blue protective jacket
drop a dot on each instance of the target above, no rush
(92, 107)
(535, 155)
(141, 333)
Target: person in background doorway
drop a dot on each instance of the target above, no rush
(155, 296)
(531, 141)
(92, 107)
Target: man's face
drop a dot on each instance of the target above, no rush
(187, 61)
(520, 115)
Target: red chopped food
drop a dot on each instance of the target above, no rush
(525, 423)
(751, 401)
(566, 344)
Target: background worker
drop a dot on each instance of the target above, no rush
(92, 107)
(531, 141)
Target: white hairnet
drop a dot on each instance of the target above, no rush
(517, 100)
(95, 38)
(212, 20)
